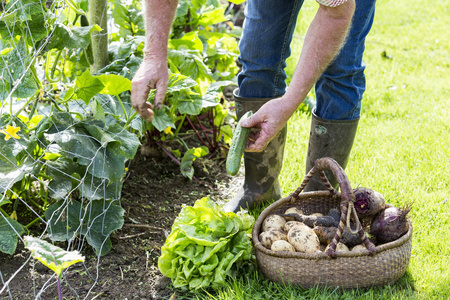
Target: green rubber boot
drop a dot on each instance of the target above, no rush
(261, 168)
(329, 138)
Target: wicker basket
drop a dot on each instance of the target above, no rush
(349, 269)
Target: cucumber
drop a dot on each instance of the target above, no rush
(238, 142)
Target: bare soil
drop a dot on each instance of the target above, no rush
(152, 196)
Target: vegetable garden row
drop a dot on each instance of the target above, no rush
(67, 128)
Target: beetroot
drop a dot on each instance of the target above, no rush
(368, 202)
(390, 224)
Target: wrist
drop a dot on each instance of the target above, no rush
(155, 54)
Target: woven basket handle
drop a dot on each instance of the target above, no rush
(347, 201)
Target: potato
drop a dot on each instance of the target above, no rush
(290, 224)
(273, 221)
(339, 247)
(292, 210)
(271, 235)
(303, 239)
(358, 247)
(282, 245)
(317, 214)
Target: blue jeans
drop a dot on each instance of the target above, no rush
(265, 45)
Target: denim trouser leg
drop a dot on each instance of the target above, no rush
(267, 33)
(340, 88)
(264, 47)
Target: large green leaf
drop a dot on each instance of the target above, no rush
(68, 176)
(96, 221)
(104, 160)
(25, 18)
(162, 120)
(72, 37)
(130, 142)
(51, 256)
(114, 84)
(10, 230)
(103, 219)
(178, 83)
(64, 220)
(87, 86)
(129, 19)
(189, 40)
(9, 174)
(190, 106)
(211, 17)
(190, 63)
(16, 74)
(57, 122)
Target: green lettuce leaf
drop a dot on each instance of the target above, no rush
(205, 246)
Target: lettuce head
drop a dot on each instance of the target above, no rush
(205, 246)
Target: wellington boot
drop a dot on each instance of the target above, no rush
(261, 168)
(329, 138)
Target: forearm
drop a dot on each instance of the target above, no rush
(158, 17)
(324, 38)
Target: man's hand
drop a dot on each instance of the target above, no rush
(152, 74)
(268, 121)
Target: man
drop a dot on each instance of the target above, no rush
(331, 59)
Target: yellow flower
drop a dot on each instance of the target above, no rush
(10, 132)
(13, 215)
(168, 130)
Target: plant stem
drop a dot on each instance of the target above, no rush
(130, 119)
(204, 133)
(59, 289)
(173, 157)
(34, 221)
(196, 132)
(5, 214)
(180, 125)
(123, 108)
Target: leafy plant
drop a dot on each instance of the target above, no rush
(66, 134)
(205, 246)
(53, 257)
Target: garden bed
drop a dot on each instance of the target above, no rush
(153, 193)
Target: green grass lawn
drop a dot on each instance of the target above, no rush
(402, 148)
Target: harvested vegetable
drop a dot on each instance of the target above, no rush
(205, 246)
(325, 234)
(292, 210)
(350, 239)
(237, 147)
(312, 221)
(290, 224)
(335, 214)
(358, 248)
(368, 202)
(271, 235)
(339, 247)
(273, 221)
(303, 239)
(282, 245)
(390, 224)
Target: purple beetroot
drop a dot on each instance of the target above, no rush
(390, 224)
(368, 202)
